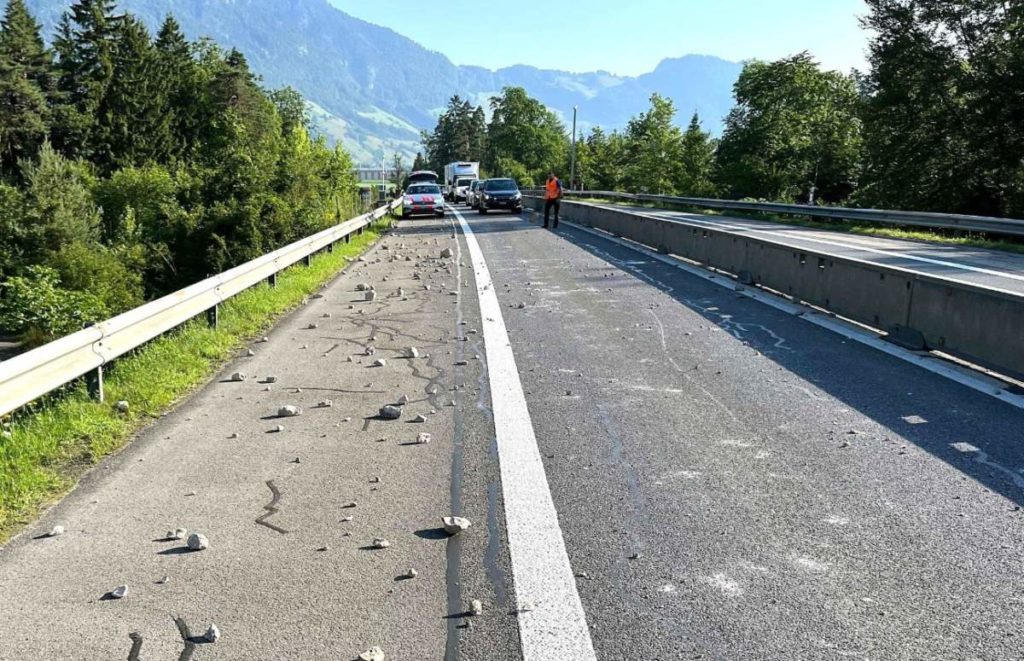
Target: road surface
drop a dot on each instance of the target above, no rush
(994, 269)
(655, 467)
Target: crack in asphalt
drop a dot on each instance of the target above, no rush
(272, 509)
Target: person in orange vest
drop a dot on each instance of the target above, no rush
(552, 197)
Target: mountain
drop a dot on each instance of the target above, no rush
(374, 89)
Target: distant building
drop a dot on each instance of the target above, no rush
(374, 174)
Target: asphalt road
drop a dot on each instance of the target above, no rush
(734, 482)
(987, 268)
(728, 481)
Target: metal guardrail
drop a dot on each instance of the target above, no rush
(30, 375)
(985, 224)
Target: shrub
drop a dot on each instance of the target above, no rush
(37, 307)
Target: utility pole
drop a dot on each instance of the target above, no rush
(572, 168)
(383, 176)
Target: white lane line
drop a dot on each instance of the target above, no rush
(891, 253)
(552, 624)
(977, 382)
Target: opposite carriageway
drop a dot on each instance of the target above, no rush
(963, 302)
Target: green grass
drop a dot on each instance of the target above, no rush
(865, 229)
(57, 439)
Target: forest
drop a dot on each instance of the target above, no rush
(133, 164)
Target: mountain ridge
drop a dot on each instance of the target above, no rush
(373, 89)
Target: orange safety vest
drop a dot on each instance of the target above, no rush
(553, 192)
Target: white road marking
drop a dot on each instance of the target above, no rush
(552, 624)
(877, 251)
(977, 382)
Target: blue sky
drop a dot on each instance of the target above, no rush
(625, 37)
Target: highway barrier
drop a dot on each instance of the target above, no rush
(917, 310)
(945, 221)
(32, 374)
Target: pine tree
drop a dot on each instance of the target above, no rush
(133, 112)
(25, 75)
(696, 162)
(177, 68)
(85, 50)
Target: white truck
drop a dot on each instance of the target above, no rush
(457, 177)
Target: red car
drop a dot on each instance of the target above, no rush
(423, 199)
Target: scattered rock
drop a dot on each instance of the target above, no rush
(362, 286)
(412, 352)
(289, 411)
(279, 429)
(423, 438)
(270, 379)
(263, 339)
(380, 362)
(476, 607)
(412, 573)
(370, 295)
(250, 353)
(446, 253)
(351, 505)
(122, 406)
(372, 654)
(346, 519)
(198, 542)
(120, 592)
(316, 296)
(403, 400)
(212, 634)
(238, 376)
(312, 326)
(177, 534)
(57, 531)
(461, 363)
(453, 525)
(419, 418)
(326, 404)
(390, 412)
(521, 306)
(432, 391)
(380, 543)
(635, 556)
(164, 580)
(325, 315)
(369, 350)
(234, 435)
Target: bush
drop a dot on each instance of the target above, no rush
(113, 276)
(37, 307)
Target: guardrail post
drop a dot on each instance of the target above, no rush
(272, 280)
(213, 316)
(348, 238)
(330, 247)
(307, 260)
(94, 383)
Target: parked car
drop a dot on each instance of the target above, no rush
(423, 199)
(499, 194)
(471, 192)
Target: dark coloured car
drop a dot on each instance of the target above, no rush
(496, 194)
(421, 199)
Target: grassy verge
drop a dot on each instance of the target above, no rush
(51, 445)
(864, 229)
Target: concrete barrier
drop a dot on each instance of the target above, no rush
(921, 311)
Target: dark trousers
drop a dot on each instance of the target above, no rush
(548, 205)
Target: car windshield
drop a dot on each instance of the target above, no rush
(463, 182)
(424, 189)
(500, 185)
